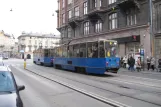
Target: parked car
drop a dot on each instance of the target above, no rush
(5, 57)
(9, 90)
(1, 63)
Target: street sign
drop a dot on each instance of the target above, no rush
(142, 52)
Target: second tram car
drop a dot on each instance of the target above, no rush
(44, 57)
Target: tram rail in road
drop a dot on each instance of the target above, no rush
(92, 95)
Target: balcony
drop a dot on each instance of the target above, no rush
(127, 4)
(75, 21)
(97, 13)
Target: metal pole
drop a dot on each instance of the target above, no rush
(151, 26)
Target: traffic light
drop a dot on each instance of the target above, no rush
(133, 38)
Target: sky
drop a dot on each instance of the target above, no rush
(29, 16)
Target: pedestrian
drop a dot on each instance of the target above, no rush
(128, 61)
(132, 63)
(138, 64)
(148, 62)
(152, 63)
(125, 61)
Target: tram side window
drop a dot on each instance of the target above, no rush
(56, 52)
(83, 50)
(51, 52)
(92, 50)
(46, 53)
(76, 51)
(70, 51)
(89, 49)
(64, 48)
(101, 49)
(95, 50)
(60, 51)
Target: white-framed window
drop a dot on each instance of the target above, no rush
(76, 11)
(111, 1)
(85, 8)
(69, 32)
(69, 1)
(131, 18)
(95, 3)
(69, 14)
(35, 42)
(63, 18)
(86, 28)
(113, 21)
(98, 26)
(63, 3)
(100, 2)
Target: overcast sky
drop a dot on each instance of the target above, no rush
(28, 15)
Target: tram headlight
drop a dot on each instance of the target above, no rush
(106, 63)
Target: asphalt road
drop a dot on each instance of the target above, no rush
(133, 89)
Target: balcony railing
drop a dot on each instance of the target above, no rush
(126, 4)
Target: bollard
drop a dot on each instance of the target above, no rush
(25, 63)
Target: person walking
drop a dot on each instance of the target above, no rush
(128, 61)
(148, 62)
(138, 64)
(152, 63)
(125, 61)
(132, 63)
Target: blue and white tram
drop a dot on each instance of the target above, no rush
(96, 57)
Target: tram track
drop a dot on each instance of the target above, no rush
(82, 91)
(105, 89)
(107, 81)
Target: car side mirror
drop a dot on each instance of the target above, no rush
(20, 88)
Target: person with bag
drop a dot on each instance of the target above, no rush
(152, 63)
(138, 64)
(148, 62)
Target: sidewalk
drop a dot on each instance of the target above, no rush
(145, 71)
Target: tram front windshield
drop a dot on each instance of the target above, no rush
(111, 48)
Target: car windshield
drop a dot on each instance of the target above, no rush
(6, 82)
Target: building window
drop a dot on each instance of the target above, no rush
(69, 32)
(76, 11)
(100, 1)
(85, 8)
(46, 42)
(131, 18)
(35, 42)
(63, 18)
(111, 1)
(98, 26)
(62, 33)
(95, 3)
(29, 48)
(69, 14)
(29, 42)
(69, 1)
(113, 21)
(63, 3)
(86, 28)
